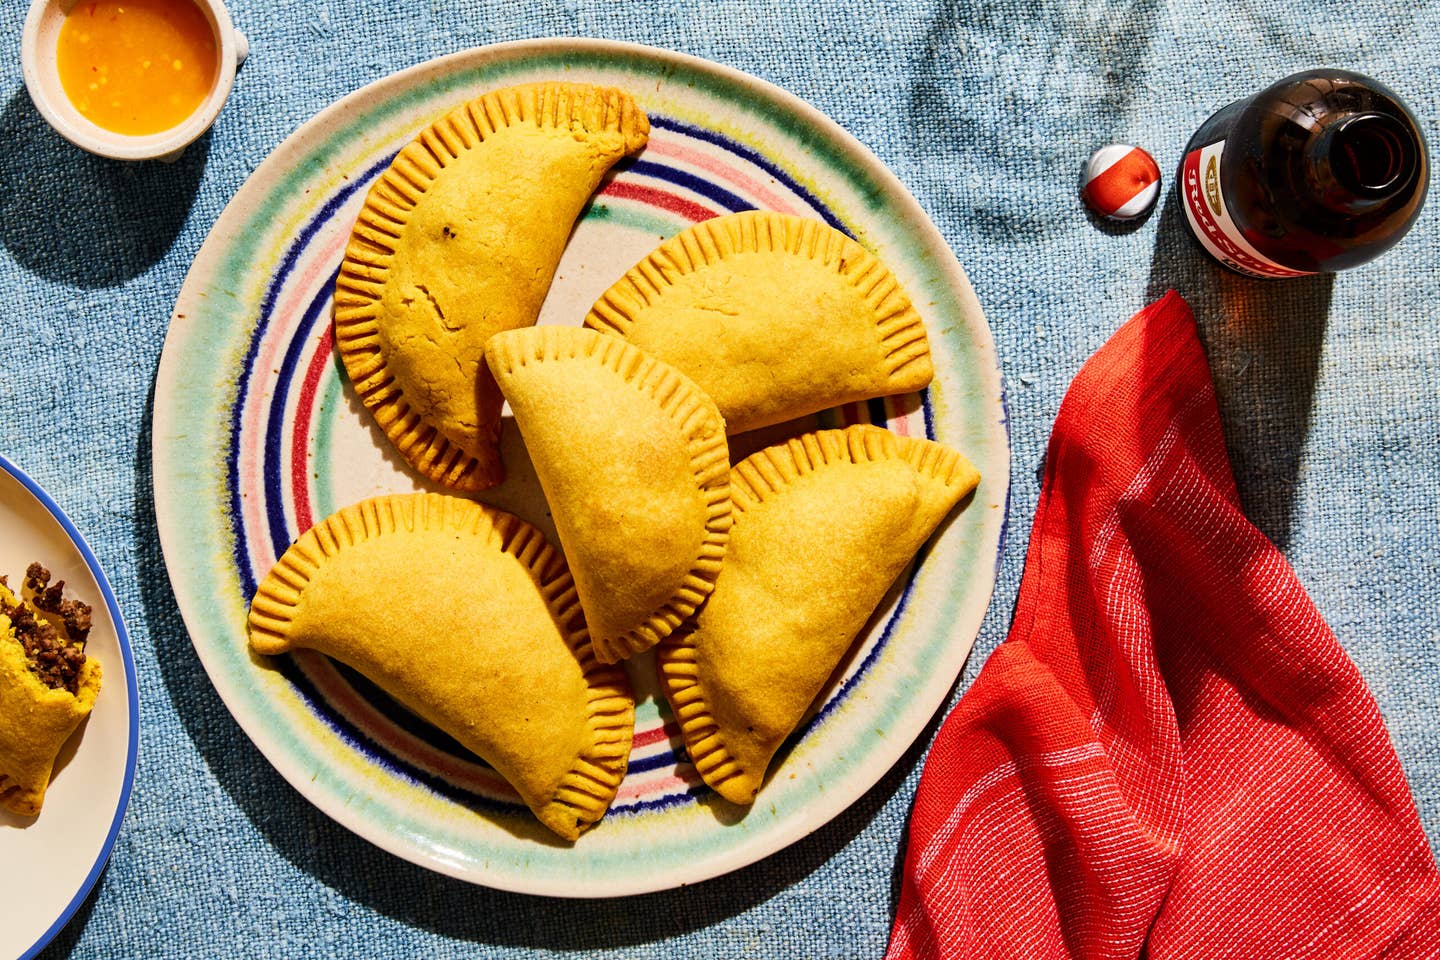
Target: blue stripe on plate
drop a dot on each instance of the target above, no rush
(740, 150)
(262, 323)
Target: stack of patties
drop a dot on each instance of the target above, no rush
(754, 580)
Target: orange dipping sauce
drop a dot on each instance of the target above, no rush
(137, 66)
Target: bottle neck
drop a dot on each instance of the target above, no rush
(1363, 161)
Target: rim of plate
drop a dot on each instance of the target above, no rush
(297, 147)
(132, 746)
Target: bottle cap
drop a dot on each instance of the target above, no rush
(1121, 182)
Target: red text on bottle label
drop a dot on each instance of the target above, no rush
(1209, 219)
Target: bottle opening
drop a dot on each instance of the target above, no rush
(1373, 153)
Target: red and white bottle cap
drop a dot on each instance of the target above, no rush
(1121, 182)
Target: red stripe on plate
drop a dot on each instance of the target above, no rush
(654, 735)
(300, 435)
(688, 209)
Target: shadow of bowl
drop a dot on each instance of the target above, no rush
(82, 220)
(1263, 339)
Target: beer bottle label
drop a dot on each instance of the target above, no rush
(1211, 223)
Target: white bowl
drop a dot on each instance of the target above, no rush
(38, 46)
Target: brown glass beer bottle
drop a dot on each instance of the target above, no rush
(1320, 171)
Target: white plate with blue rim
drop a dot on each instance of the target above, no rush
(50, 863)
(258, 434)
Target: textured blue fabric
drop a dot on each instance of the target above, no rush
(1329, 389)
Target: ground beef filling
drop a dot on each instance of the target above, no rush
(74, 614)
(55, 658)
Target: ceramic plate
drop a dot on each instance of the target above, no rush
(258, 434)
(50, 862)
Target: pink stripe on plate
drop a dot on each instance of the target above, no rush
(900, 424)
(631, 789)
(292, 304)
(766, 198)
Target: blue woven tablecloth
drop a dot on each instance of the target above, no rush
(1330, 390)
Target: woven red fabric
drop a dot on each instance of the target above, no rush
(1171, 755)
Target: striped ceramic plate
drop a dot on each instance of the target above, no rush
(258, 434)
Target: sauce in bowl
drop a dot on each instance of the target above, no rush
(137, 67)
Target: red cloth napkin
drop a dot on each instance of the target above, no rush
(1171, 755)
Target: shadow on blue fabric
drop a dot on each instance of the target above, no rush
(64, 942)
(1049, 63)
(1263, 339)
(87, 221)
